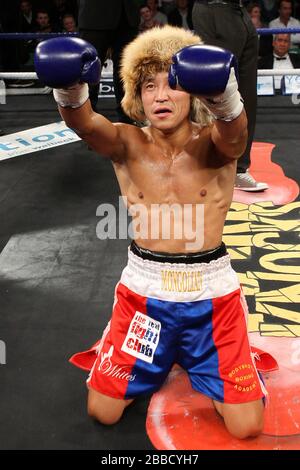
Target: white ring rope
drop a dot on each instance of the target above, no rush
(19, 75)
(33, 76)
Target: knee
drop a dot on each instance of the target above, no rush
(248, 428)
(104, 416)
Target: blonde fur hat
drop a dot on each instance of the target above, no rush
(151, 52)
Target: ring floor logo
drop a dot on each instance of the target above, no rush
(34, 140)
(263, 241)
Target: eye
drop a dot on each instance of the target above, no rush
(149, 86)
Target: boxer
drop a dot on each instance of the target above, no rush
(178, 299)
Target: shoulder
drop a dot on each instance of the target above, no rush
(131, 139)
(129, 131)
(295, 59)
(294, 21)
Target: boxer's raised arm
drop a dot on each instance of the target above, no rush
(208, 72)
(68, 65)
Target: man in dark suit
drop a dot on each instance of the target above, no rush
(227, 24)
(109, 24)
(280, 59)
(181, 15)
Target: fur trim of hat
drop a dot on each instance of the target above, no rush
(149, 53)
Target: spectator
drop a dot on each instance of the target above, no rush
(181, 15)
(60, 8)
(269, 10)
(167, 6)
(109, 24)
(27, 17)
(147, 20)
(27, 24)
(69, 23)
(264, 41)
(280, 58)
(254, 11)
(158, 16)
(43, 22)
(285, 20)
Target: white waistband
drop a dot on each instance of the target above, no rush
(179, 282)
(152, 269)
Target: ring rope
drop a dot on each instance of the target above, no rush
(33, 75)
(28, 36)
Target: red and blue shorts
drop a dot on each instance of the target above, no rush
(189, 313)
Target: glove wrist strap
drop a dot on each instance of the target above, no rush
(229, 105)
(72, 97)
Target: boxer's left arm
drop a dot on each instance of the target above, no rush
(209, 73)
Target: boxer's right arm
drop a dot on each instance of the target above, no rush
(68, 65)
(209, 73)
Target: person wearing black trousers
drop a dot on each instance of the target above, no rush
(109, 25)
(226, 23)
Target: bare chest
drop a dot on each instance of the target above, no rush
(159, 178)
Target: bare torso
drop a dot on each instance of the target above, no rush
(194, 179)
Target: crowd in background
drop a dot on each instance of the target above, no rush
(50, 16)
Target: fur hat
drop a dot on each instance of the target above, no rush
(151, 52)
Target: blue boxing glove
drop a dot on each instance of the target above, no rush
(209, 73)
(67, 64)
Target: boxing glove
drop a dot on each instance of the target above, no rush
(208, 72)
(67, 64)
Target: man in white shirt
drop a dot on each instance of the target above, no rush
(280, 59)
(285, 20)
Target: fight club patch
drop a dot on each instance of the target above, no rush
(142, 337)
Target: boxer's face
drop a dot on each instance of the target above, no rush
(164, 107)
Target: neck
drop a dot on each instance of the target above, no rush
(172, 141)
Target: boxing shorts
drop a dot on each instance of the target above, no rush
(186, 309)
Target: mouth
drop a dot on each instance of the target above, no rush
(163, 112)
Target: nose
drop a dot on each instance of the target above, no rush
(162, 93)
